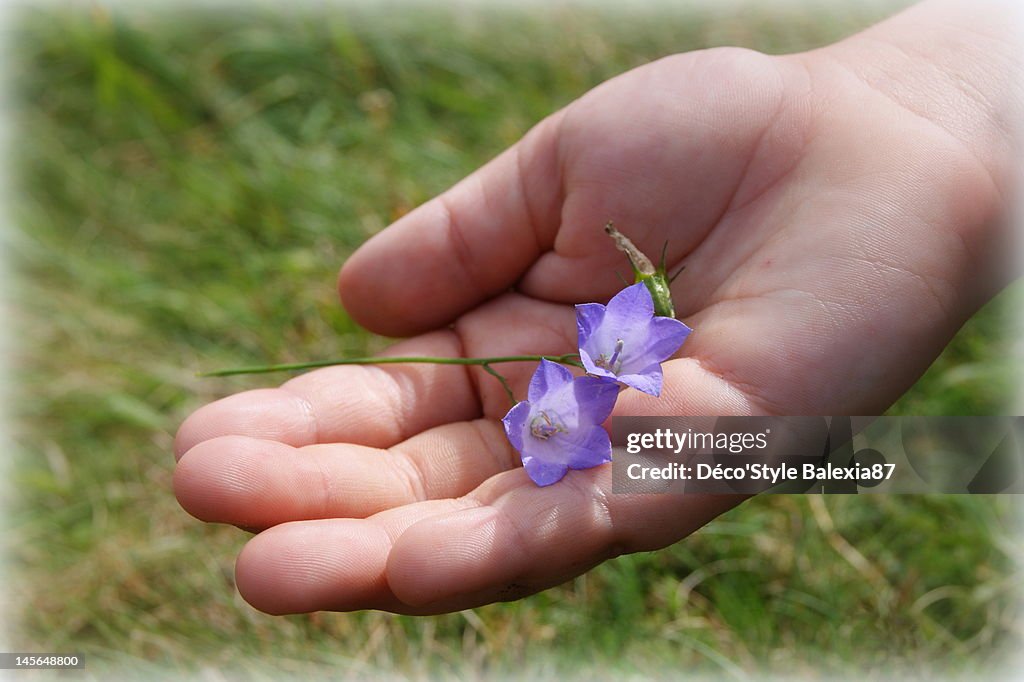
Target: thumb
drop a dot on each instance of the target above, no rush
(462, 247)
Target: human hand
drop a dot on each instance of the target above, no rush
(833, 239)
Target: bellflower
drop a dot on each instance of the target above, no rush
(625, 341)
(559, 426)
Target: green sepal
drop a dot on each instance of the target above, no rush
(657, 284)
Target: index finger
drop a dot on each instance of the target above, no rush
(377, 406)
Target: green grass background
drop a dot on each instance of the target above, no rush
(186, 184)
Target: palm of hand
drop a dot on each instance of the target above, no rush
(395, 488)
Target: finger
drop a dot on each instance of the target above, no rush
(525, 539)
(285, 569)
(508, 539)
(254, 483)
(376, 406)
(461, 248)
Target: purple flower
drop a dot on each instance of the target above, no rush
(559, 427)
(625, 341)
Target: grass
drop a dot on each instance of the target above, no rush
(186, 187)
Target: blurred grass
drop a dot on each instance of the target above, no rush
(187, 185)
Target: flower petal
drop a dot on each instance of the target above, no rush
(665, 336)
(628, 319)
(591, 366)
(515, 424)
(648, 381)
(588, 319)
(596, 397)
(593, 449)
(634, 303)
(549, 377)
(544, 473)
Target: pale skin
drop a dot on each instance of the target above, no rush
(840, 213)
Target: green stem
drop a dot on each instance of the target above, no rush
(504, 382)
(568, 359)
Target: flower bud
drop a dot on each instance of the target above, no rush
(655, 279)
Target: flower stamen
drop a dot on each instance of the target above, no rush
(543, 427)
(612, 364)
